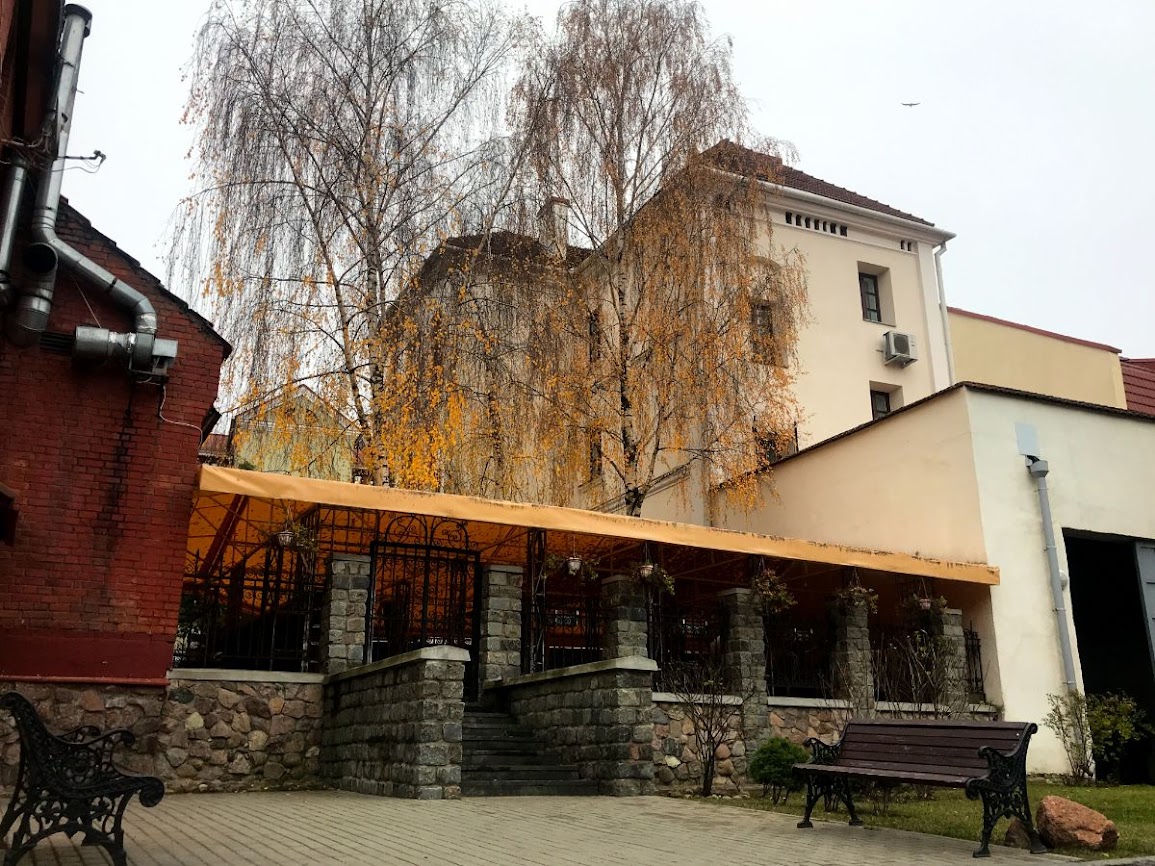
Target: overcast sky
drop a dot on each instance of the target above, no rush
(1033, 141)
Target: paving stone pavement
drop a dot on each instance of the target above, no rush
(310, 828)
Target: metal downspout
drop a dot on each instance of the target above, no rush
(13, 192)
(943, 312)
(1039, 470)
(48, 251)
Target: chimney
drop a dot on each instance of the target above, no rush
(553, 219)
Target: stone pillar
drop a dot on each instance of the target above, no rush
(500, 613)
(853, 669)
(343, 612)
(956, 689)
(624, 609)
(744, 655)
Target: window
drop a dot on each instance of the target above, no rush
(879, 404)
(762, 331)
(595, 335)
(871, 299)
(773, 447)
(595, 456)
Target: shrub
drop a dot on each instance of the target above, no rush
(1095, 727)
(773, 767)
(1115, 720)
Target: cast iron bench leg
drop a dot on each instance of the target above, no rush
(841, 788)
(814, 790)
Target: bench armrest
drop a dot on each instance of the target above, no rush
(823, 753)
(79, 735)
(1005, 770)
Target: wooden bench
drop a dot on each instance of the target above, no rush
(987, 759)
(68, 784)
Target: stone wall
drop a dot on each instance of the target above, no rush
(393, 728)
(598, 716)
(800, 720)
(208, 731)
(222, 733)
(677, 764)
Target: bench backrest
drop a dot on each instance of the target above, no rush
(945, 747)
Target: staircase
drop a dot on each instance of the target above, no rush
(501, 758)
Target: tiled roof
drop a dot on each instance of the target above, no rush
(516, 246)
(1139, 384)
(732, 157)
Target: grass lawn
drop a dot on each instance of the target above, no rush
(950, 813)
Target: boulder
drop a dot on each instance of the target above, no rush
(1017, 835)
(1063, 822)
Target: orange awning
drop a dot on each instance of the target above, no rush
(226, 499)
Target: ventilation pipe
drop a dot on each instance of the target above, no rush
(13, 193)
(144, 353)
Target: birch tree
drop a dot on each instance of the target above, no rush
(671, 344)
(339, 141)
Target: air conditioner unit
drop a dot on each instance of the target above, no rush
(899, 348)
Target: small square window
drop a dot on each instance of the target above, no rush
(879, 405)
(871, 300)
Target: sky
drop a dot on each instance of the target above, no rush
(1031, 141)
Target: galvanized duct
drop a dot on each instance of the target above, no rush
(13, 193)
(144, 353)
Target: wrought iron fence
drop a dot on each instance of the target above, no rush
(574, 628)
(798, 658)
(563, 622)
(976, 686)
(683, 635)
(890, 658)
(263, 613)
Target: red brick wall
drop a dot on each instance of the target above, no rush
(92, 586)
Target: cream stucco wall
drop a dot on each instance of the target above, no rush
(945, 479)
(999, 353)
(1096, 484)
(840, 355)
(906, 483)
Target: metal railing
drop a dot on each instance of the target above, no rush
(976, 686)
(798, 658)
(261, 614)
(683, 635)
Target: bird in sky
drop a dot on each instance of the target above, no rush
(911, 104)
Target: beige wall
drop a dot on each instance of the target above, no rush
(905, 484)
(945, 479)
(1095, 484)
(840, 354)
(998, 353)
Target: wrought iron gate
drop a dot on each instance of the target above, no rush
(425, 590)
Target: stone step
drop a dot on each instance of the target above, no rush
(513, 772)
(481, 732)
(527, 788)
(502, 744)
(521, 759)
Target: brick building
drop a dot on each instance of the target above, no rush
(98, 458)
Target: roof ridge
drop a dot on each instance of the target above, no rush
(731, 156)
